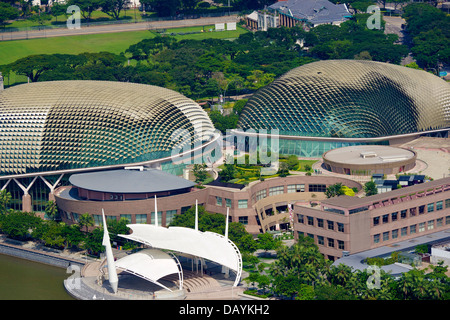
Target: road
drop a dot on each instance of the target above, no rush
(123, 27)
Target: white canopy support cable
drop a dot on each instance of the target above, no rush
(156, 213)
(196, 214)
(180, 269)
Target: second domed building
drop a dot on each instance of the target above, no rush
(335, 103)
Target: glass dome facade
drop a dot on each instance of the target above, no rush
(335, 103)
(350, 99)
(48, 126)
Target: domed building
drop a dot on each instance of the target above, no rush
(336, 103)
(51, 129)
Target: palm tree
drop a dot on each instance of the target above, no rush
(86, 220)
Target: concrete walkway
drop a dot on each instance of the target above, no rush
(110, 28)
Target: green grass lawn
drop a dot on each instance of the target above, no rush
(116, 43)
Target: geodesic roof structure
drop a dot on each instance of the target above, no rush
(350, 99)
(59, 125)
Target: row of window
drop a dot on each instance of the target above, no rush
(140, 218)
(403, 214)
(412, 229)
(242, 204)
(291, 188)
(320, 223)
(324, 241)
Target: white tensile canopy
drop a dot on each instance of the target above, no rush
(151, 265)
(207, 245)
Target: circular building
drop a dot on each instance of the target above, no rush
(49, 130)
(328, 104)
(58, 125)
(369, 159)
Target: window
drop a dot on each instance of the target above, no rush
(243, 220)
(447, 220)
(376, 221)
(317, 187)
(320, 240)
(412, 229)
(295, 188)
(421, 209)
(300, 218)
(385, 218)
(376, 238)
(243, 204)
(228, 203)
(218, 201)
(403, 214)
(261, 194)
(310, 235)
(184, 209)
(98, 220)
(439, 205)
(430, 207)
(152, 217)
(394, 216)
(386, 236)
(395, 234)
(320, 223)
(422, 227)
(341, 244)
(356, 210)
(299, 234)
(331, 242)
(439, 222)
(330, 225)
(412, 212)
(141, 218)
(340, 227)
(430, 225)
(404, 231)
(126, 216)
(170, 215)
(273, 191)
(447, 203)
(76, 217)
(310, 221)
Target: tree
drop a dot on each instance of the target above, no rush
(7, 12)
(113, 7)
(19, 225)
(292, 162)
(58, 9)
(86, 6)
(86, 220)
(200, 173)
(334, 190)
(40, 18)
(51, 210)
(283, 169)
(370, 188)
(267, 242)
(228, 172)
(164, 8)
(5, 198)
(94, 242)
(34, 66)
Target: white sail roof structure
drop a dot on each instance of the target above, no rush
(151, 265)
(207, 245)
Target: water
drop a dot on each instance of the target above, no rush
(27, 280)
